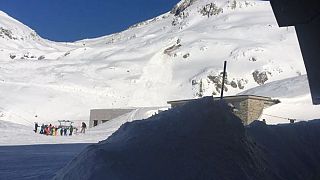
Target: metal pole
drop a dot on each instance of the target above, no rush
(223, 78)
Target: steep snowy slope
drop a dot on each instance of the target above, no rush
(174, 56)
(18, 41)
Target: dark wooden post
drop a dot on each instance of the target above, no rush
(223, 79)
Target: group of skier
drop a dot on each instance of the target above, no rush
(51, 130)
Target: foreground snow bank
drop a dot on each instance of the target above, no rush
(201, 140)
(292, 150)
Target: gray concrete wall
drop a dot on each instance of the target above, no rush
(106, 114)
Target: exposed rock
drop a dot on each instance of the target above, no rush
(203, 48)
(194, 82)
(253, 59)
(233, 84)
(148, 21)
(41, 57)
(6, 33)
(12, 56)
(181, 6)
(260, 77)
(241, 83)
(67, 53)
(233, 4)
(178, 20)
(170, 50)
(26, 55)
(34, 36)
(186, 55)
(210, 10)
(212, 84)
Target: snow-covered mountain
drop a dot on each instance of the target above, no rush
(176, 55)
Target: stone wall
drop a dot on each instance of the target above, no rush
(255, 109)
(241, 108)
(249, 110)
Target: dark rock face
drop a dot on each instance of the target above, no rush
(6, 33)
(211, 10)
(170, 50)
(260, 77)
(216, 81)
(201, 140)
(180, 7)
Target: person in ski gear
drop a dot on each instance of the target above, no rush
(83, 128)
(42, 129)
(65, 131)
(46, 130)
(71, 130)
(61, 131)
(52, 131)
(56, 130)
(36, 127)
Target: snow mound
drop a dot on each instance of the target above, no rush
(202, 140)
(291, 149)
(286, 88)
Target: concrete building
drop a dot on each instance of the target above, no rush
(247, 107)
(99, 116)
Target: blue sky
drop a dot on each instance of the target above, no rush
(70, 20)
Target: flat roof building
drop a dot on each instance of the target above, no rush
(247, 107)
(99, 116)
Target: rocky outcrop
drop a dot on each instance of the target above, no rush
(172, 49)
(212, 84)
(261, 77)
(5, 33)
(181, 6)
(211, 10)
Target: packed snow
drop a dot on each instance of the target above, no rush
(176, 55)
(201, 140)
(12, 134)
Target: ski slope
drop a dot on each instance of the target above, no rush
(12, 134)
